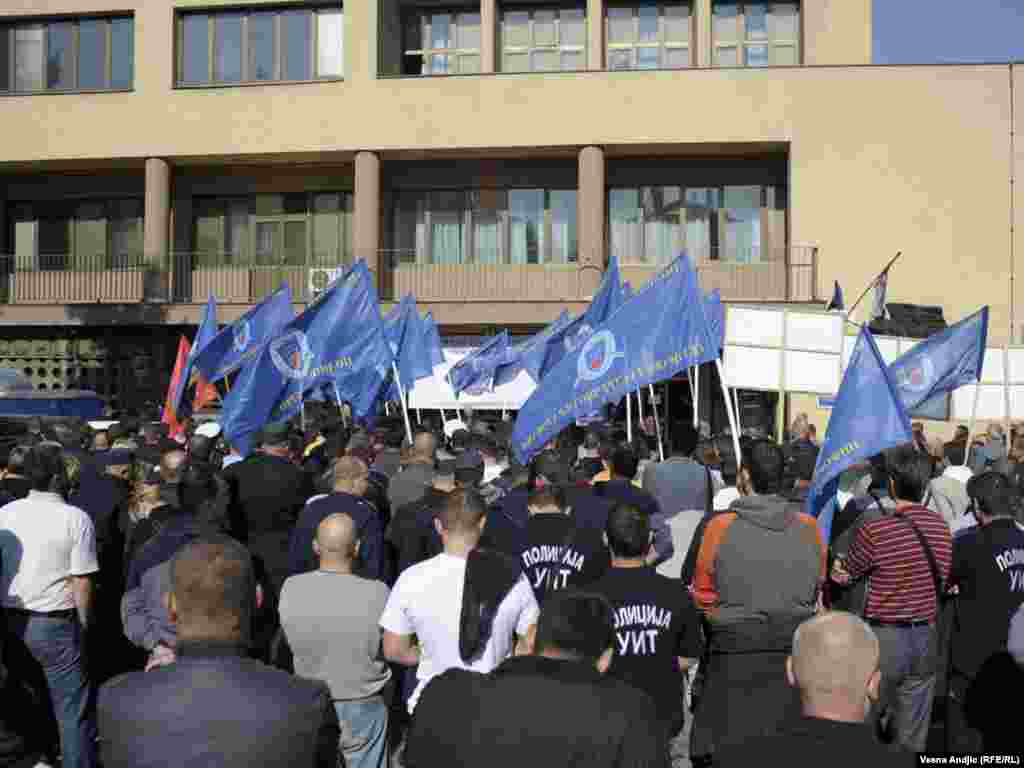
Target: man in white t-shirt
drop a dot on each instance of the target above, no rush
(427, 602)
(47, 561)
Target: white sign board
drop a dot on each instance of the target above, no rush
(435, 391)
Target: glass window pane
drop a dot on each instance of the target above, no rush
(125, 233)
(92, 34)
(742, 224)
(515, 62)
(572, 27)
(122, 53)
(675, 20)
(620, 58)
(563, 226)
(440, 31)
(676, 58)
(544, 28)
(469, 31)
(269, 205)
(195, 49)
(296, 203)
(647, 18)
(624, 231)
(620, 25)
(757, 55)
(785, 56)
(28, 59)
(209, 230)
(784, 22)
(326, 230)
(296, 34)
(526, 226)
(700, 230)
(544, 61)
(726, 23)
(54, 233)
(265, 241)
(58, 56)
(727, 57)
(227, 47)
(330, 44)
(261, 46)
(756, 17)
(438, 65)
(662, 228)
(647, 58)
(516, 29)
(446, 211)
(5, 51)
(90, 236)
(469, 64)
(572, 61)
(487, 207)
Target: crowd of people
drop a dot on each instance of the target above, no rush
(343, 596)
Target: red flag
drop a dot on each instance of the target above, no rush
(206, 393)
(170, 417)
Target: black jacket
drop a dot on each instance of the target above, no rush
(536, 712)
(214, 707)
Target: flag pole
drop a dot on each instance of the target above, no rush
(736, 394)
(970, 425)
(419, 417)
(657, 425)
(695, 374)
(873, 282)
(405, 407)
(640, 406)
(733, 423)
(337, 395)
(629, 417)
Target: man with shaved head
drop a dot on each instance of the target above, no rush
(330, 619)
(834, 667)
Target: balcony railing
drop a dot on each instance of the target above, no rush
(787, 274)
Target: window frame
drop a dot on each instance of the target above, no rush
(531, 48)
(661, 45)
(426, 51)
(9, 27)
(742, 43)
(312, 10)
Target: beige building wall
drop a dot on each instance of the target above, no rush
(837, 32)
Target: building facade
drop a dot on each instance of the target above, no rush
(488, 157)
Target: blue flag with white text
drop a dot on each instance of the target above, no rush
(240, 341)
(943, 362)
(867, 418)
(338, 341)
(608, 299)
(661, 331)
(432, 339)
(474, 373)
(528, 355)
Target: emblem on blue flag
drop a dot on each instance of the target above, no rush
(597, 356)
(572, 341)
(917, 377)
(291, 354)
(241, 336)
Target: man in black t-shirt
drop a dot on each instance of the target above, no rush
(557, 553)
(657, 627)
(988, 573)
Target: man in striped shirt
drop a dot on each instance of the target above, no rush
(902, 600)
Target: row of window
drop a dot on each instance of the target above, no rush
(646, 226)
(648, 35)
(303, 43)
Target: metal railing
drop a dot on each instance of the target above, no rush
(783, 274)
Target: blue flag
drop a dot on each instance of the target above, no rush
(405, 337)
(627, 291)
(715, 312)
(338, 341)
(606, 301)
(474, 373)
(432, 339)
(663, 330)
(528, 355)
(836, 304)
(867, 418)
(943, 362)
(240, 342)
(204, 335)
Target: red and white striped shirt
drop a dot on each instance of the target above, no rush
(887, 549)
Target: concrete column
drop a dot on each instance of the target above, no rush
(157, 228)
(702, 32)
(488, 36)
(590, 216)
(366, 213)
(595, 34)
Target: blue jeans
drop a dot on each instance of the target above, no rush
(908, 664)
(364, 732)
(55, 644)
